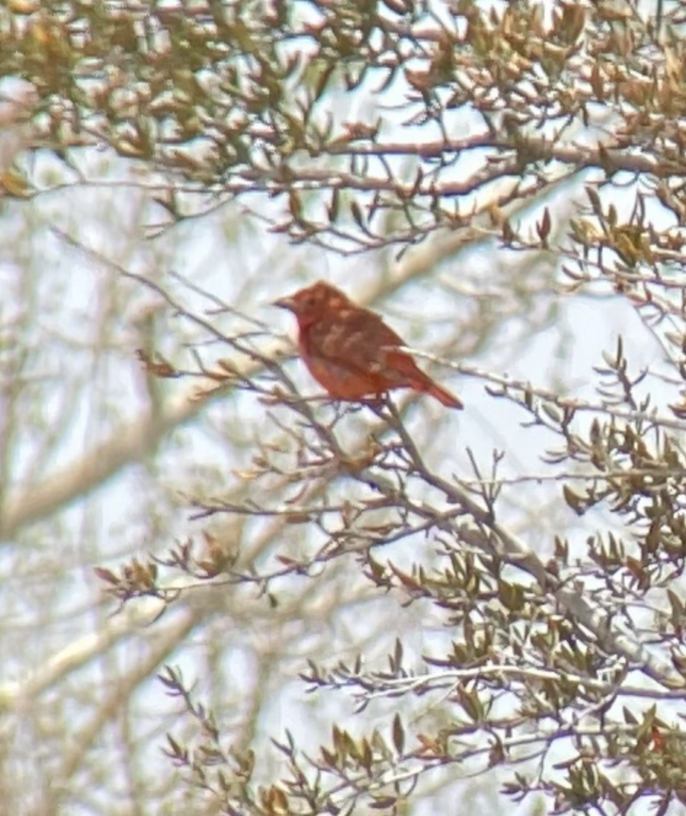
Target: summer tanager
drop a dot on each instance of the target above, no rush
(351, 351)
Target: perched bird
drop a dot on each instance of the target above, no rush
(351, 351)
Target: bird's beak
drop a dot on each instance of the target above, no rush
(285, 303)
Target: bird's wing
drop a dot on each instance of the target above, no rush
(359, 340)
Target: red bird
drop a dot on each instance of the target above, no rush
(351, 351)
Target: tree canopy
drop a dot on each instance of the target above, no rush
(316, 607)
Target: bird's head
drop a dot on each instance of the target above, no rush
(314, 303)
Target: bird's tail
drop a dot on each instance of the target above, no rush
(441, 394)
(413, 376)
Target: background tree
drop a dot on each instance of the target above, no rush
(191, 541)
